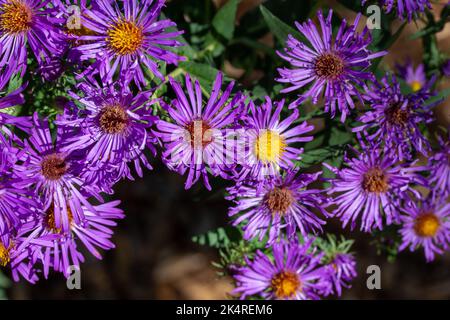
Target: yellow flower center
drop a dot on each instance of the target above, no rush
(15, 17)
(285, 284)
(426, 225)
(415, 85)
(4, 255)
(269, 146)
(125, 38)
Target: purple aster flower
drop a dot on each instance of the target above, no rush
(404, 8)
(342, 270)
(15, 203)
(54, 175)
(371, 188)
(111, 129)
(414, 77)
(29, 22)
(294, 274)
(334, 68)
(278, 204)
(395, 119)
(128, 38)
(197, 139)
(439, 166)
(268, 143)
(446, 68)
(93, 231)
(427, 225)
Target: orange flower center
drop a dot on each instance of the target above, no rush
(113, 119)
(375, 180)
(329, 66)
(4, 255)
(426, 225)
(279, 200)
(285, 284)
(15, 17)
(53, 166)
(125, 38)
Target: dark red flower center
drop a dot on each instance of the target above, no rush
(113, 119)
(200, 133)
(397, 116)
(279, 200)
(329, 66)
(53, 166)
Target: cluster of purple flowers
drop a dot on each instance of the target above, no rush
(53, 182)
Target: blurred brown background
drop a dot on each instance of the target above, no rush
(155, 258)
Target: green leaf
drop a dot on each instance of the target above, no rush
(223, 21)
(203, 72)
(339, 137)
(279, 28)
(441, 96)
(316, 156)
(219, 238)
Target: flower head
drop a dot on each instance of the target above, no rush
(414, 77)
(395, 119)
(371, 187)
(426, 225)
(197, 139)
(128, 38)
(28, 22)
(342, 270)
(8, 101)
(333, 68)
(268, 208)
(111, 129)
(268, 143)
(54, 175)
(295, 274)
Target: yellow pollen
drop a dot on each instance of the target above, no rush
(269, 146)
(4, 255)
(415, 85)
(15, 17)
(49, 221)
(125, 38)
(285, 284)
(426, 225)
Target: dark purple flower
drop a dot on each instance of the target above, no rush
(128, 39)
(197, 139)
(395, 119)
(405, 8)
(32, 23)
(54, 175)
(446, 68)
(371, 188)
(111, 128)
(268, 144)
(294, 274)
(333, 68)
(275, 205)
(427, 225)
